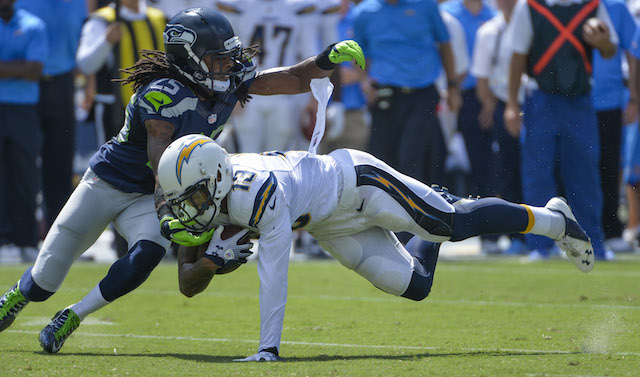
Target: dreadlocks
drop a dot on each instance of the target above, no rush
(154, 65)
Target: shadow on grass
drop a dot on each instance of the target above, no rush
(217, 359)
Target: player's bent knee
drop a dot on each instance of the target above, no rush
(128, 272)
(419, 286)
(147, 254)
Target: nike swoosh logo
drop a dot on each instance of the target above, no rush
(361, 205)
(274, 204)
(56, 347)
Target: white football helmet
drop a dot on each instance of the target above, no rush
(195, 174)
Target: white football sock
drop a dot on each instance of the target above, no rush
(90, 303)
(545, 222)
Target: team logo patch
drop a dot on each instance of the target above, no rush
(228, 254)
(157, 99)
(178, 34)
(212, 118)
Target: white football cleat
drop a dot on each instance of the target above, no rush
(574, 241)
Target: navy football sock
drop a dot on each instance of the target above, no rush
(30, 290)
(488, 216)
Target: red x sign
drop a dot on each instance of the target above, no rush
(566, 34)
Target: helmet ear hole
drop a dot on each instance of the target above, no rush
(219, 178)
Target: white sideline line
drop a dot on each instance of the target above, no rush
(519, 270)
(561, 375)
(383, 298)
(320, 344)
(388, 298)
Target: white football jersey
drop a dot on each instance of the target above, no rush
(281, 28)
(300, 183)
(271, 193)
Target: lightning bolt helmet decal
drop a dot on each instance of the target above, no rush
(185, 154)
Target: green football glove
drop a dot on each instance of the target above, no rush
(346, 51)
(173, 230)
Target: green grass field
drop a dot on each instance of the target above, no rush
(483, 318)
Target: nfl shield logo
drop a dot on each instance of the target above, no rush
(212, 118)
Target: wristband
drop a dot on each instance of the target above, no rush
(215, 259)
(322, 59)
(272, 350)
(161, 209)
(164, 211)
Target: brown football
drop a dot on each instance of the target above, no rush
(230, 230)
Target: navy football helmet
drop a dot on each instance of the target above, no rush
(195, 33)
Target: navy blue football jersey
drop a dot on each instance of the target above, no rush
(123, 160)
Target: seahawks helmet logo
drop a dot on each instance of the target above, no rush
(178, 34)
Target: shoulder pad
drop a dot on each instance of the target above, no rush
(167, 97)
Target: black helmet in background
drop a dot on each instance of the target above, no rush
(193, 34)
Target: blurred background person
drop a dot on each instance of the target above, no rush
(406, 46)
(472, 14)
(354, 129)
(23, 52)
(558, 121)
(614, 108)
(109, 42)
(285, 32)
(490, 67)
(454, 153)
(631, 147)
(478, 139)
(63, 19)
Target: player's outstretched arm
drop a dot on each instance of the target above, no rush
(296, 79)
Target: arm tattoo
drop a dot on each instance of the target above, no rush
(159, 136)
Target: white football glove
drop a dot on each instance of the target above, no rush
(226, 253)
(261, 356)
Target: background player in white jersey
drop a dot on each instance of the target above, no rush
(350, 201)
(191, 89)
(284, 30)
